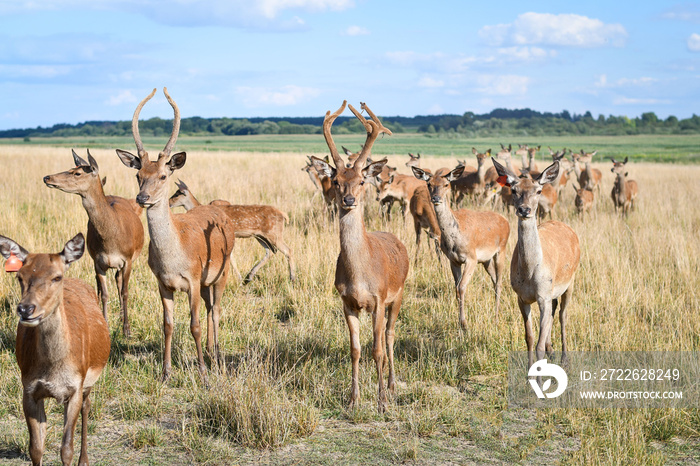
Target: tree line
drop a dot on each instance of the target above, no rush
(498, 122)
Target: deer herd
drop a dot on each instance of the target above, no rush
(63, 341)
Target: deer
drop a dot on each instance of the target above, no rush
(472, 183)
(589, 177)
(624, 192)
(262, 222)
(544, 261)
(372, 267)
(62, 342)
(548, 198)
(114, 229)
(531, 156)
(467, 237)
(584, 199)
(414, 160)
(313, 176)
(188, 252)
(564, 171)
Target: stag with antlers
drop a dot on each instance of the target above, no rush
(372, 267)
(188, 252)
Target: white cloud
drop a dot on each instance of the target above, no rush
(633, 101)
(35, 71)
(694, 42)
(525, 53)
(686, 12)
(287, 95)
(429, 82)
(568, 30)
(624, 82)
(124, 97)
(356, 31)
(503, 85)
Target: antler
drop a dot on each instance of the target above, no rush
(176, 126)
(374, 128)
(135, 126)
(327, 123)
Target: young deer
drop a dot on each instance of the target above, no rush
(583, 200)
(114, 230)
(262, 222)
(467, 237)
(472, 184)
(589, 177)
(188, 252)
(372, 267)
(624, 192)
(564, 169)
(544, 261)
(62, 343)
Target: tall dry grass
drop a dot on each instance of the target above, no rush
(286, 344)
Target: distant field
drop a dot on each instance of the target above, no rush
(649, 148)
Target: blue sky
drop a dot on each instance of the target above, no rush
(68, 61)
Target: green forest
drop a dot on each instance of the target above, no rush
(499, 122)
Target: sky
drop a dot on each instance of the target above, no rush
(70, 61)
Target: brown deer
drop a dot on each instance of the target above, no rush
(624, 192)
(544, 261)
(62, 343)
(589, 177)
(471, 184)
(564, 169)
(583, 200)
(531, 157)
(313, 176)
(262, 222)
(467, 237)
(188, 252)
(372, 267)
(114, 230)
(414, 160)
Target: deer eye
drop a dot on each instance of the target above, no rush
(362, 182)
(335, 183)
(163, 177)
(539, 191)
(57, 279)
(76, 173)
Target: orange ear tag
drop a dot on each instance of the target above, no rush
(502, 180)
(13, 264)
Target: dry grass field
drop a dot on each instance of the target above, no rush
(282, 396)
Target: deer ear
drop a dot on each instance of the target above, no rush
(510, 178)
(549, 174)
(323, 167)
(456, 173)
(129, 159)
(374, 169)
(92, 161)
(421, 174)
(8, 246)
(79, 161)
(177, 161)
(73, 250)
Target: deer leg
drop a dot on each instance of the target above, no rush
(565, 298)
(35, 416)
(529, 334)
(84, 412)
(353, 321)
(122, 278)
(461, 286)
(391, 317)
(378, 352)
(101, 279)
(195, 329)
(70, 419)
(284, 249)
(166, 297)
(492, 268)
(207, 294)
(260, 263)
(548, 345)
(545, 305)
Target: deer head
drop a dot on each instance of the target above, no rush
(153, 176)
(76, 180)
(526, 190)
(438, 185)
(41, 278)
(349, 180)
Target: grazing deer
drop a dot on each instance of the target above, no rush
(372, 267)
(262, 222)
(624, 192)
(62, 343)
(544, 261)
(589, 177)
(114, 230)
(188, 252)
(583, 200)
(473, 183)
(399, 188)
(467, 237)
(414, 160)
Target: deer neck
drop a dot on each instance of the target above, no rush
(577, 170)
(509, 164)
(621, 184)
(49, 341)
(446, 220)
(97, 207)
(528, 248)
(481, 170)
(354, 245)
(523, 159)
(161, 228)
